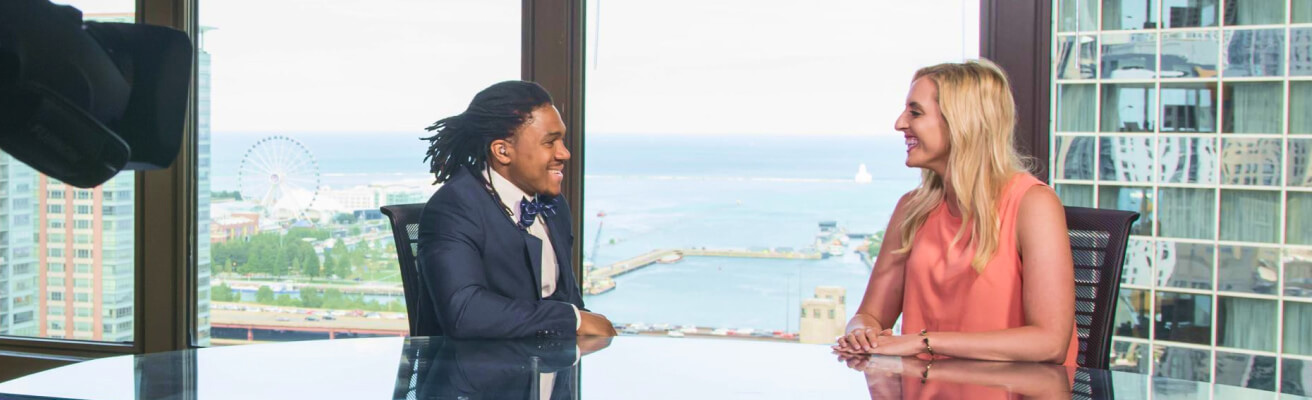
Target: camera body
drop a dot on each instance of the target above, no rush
(81, 101)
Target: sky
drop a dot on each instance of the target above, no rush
(666, 67)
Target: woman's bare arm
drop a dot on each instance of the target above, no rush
(882, 302)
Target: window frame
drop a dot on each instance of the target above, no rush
(165, 302)
(1016, 35)
(552, 48)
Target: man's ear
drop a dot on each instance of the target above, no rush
(501, 151)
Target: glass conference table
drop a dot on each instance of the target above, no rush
(626, 367)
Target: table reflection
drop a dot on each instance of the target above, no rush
(946, 378)
(629, 367)
(444, 368)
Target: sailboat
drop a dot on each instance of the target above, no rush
(862, 176)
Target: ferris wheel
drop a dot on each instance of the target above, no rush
(281, 176)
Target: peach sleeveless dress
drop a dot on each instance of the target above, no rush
(944, 294)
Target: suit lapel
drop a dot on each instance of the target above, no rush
(533, 246)
(564, 270)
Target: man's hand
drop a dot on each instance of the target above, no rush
(593, 344)
(593, 324)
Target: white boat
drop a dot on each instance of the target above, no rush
(863, 176)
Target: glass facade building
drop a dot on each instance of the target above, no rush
(1195, 113)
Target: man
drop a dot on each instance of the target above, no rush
(495, 240)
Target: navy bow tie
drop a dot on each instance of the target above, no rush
(529, 210)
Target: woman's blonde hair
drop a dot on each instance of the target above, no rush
(975, 100)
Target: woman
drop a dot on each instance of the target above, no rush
(951, 264)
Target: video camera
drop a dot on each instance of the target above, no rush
(81, 101)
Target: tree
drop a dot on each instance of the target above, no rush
(876, 242)
(222, 195)
(285, 300)
(333, 298)
(329, 267)
(281, 262)
(221, 293)
(310, 298)
(263, 249)
(343, 267)
(309, 259)
(395, 306)
(264, 295)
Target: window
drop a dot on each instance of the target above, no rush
(55, 209)
(761, 237)
(82, 297)
(82, 311)
(55, 267)
(83, 209)
(56, 282)
(55, 311)
(56, 296)
(82, 268)
(331, 183)
(81, 224)
(83, 253)
(23, 317)
(1211, 148)
(81, 283)
(55, 252)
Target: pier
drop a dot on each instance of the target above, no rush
(674, 255)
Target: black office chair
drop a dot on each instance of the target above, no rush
(418, 306)
(1098, 239)
(1092, 385)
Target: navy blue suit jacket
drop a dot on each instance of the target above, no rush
(483, 273)
(496, 369)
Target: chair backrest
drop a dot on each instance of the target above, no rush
(405, 230)
(1098, 239)
(1090, 385)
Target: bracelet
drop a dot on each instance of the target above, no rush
(924, 376)
(925, 339)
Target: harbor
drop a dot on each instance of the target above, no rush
(830, 241)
